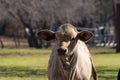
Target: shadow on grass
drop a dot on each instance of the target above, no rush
(21, 72)
(106, 73)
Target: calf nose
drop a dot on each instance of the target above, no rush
(61, 51)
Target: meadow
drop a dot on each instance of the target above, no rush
(31, 64)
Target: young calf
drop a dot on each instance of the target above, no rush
(70, 58)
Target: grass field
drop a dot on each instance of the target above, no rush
(14, 66)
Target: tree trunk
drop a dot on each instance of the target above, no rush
(118, 77)
(118, 29)
(28, 25)
(1, 44)
(117, 24)
(33, 42)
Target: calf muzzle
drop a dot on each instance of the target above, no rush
(61, 51)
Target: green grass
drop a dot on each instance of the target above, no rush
(107, 62)
(23, 67)
(107, 65)
(28, 67)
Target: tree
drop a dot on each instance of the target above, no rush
(44, 13)
(104, 11)
(1, 44)
(41, 14)
(117, 23)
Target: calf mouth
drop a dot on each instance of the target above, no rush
(62, 56)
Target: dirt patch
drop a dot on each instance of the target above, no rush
(24, 54)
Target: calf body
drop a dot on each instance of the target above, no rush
(70, 58)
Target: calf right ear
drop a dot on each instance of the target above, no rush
(84, 35)
(46, 35)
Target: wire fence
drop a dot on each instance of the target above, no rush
(103, 36)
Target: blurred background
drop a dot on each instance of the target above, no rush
(20, 20)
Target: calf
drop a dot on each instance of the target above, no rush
(70, 58)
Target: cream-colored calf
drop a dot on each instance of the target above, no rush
(70, 58)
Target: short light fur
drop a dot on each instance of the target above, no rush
(77, 63)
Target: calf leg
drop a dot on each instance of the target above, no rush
(94, 73)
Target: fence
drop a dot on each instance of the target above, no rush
(103, 36)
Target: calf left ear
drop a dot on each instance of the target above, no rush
(46, 35)
(84, 35)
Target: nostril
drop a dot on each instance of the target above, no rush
(58, 50)
(64, 50)
(61, 51)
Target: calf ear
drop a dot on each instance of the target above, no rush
(84, 35)
(46, 35)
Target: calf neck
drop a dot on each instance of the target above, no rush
(70, 58)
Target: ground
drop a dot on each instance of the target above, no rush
(31, 64)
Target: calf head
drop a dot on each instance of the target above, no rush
(66, 38)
